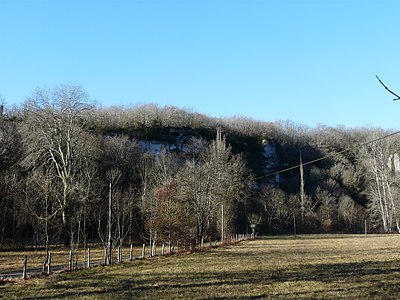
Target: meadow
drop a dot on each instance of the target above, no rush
(281, 267)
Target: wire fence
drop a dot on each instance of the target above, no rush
(28, 264)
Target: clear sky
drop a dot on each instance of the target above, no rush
(311, 62)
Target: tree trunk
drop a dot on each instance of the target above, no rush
(109, 223)
(65, 220)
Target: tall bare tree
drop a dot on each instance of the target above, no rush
(53, 137)
(382, 181)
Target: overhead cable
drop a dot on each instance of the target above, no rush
(328, 156)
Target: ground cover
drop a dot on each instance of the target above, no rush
(329, 266)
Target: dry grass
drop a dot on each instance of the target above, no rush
(347, 267)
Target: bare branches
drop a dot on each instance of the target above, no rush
(398, 97)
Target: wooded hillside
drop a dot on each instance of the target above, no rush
(71, 171)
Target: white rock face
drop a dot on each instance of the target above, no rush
(156, 146)
(269, 149)
(394, 162)
(271, 159)
(153, 146)
(269, 153)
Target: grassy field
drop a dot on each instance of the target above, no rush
(333, 266)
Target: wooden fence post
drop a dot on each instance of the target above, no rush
(49, 264)
(88, 257)
(153, 249)
(131, 252)
(24, 268)
(44, 264)
(110, 258)
(143, 250)
(70, 261)
(119, 254)
(162, 249)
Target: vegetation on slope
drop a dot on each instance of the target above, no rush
(63, 160)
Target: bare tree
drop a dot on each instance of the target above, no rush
(351, 212)
(113, 176)
(10, 144)
(53, 137)
(41, 194)
(277, 213)
(212, 177)
(10, 206)
(376, 157)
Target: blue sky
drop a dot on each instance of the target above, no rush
(311, 62)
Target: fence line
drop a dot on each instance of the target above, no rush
(89, 259)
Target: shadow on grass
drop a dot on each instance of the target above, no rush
(322, 236)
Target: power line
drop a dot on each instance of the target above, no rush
(327, 156)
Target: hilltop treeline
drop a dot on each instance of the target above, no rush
(71, 171)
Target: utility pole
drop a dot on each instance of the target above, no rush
(302, 189)
(222, 223)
